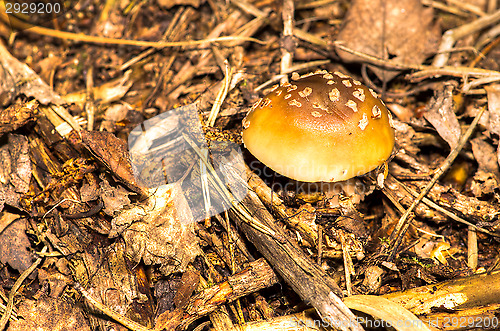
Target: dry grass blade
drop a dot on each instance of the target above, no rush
(227, 195)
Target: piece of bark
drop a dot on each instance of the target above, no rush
(258, 275)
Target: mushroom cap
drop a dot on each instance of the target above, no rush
(321, 127)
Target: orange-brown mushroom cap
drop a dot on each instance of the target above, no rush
(321, 127)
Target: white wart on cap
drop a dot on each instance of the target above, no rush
(320, 127)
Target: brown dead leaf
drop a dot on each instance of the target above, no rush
(113, 152)
(154, 232)
(399, 29)
(493, 92)
(14, 245)
(49, 314)
(15, 169)
(487, 176)
(89, 192)
(114, 198)
(484, 183)
(57, 281)
(485, 155)
(188, 284)
(441, 114)
(17, 78)
(6, 218)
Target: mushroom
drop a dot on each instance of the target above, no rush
(322, 127)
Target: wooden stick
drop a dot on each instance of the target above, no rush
(309, 281)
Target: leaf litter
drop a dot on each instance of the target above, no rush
(117, 243)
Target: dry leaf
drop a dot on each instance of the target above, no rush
(14, 245)
(493, 92)
(401, 30)
(159, 232)
(485, 155)
(493, 108)
(15, 169)
(114, 198)
(17, 78)
(115, 113)
(113, 152)
(487, 177)
(49, 314)
(440, 113)
(109, 278)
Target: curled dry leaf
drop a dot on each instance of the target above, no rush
(493, 92)
(14, 245)
(399, 29)
(17, 78)
(487, 177)
(114, 198)
(49, 314)
(154, 232)
(113, 152)
(15, 170)
(440, 113)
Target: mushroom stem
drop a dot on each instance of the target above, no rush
(353, 188)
